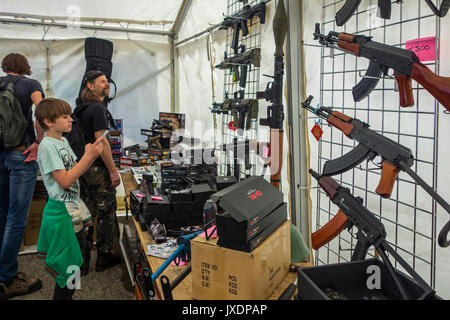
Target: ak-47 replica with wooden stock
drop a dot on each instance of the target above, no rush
(405, 63)
(371, 232)
(274, 94)
(395, 158)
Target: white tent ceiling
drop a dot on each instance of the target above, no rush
(78, 19)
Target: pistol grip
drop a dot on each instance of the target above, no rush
(244, 28)
(405, 90)
(388, 175)
(329, 231)
(236, 76)
(243, 77)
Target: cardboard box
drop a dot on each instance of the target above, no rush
(225, 274)
(34, 219)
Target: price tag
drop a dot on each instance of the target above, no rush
(317, 131)
(231, 126)
(265, 152)
(424, 48)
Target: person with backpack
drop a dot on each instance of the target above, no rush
(18, 169)
(98, 184)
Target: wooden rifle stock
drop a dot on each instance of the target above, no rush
(329, 231)
(276, 156)
(438, 86)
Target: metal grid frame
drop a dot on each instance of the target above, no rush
(405, 215)
(251, 41)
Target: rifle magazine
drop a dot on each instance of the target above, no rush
(347, 161)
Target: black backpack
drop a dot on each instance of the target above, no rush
(77, 137)
(13, 123)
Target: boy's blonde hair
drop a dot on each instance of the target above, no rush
(51, 109)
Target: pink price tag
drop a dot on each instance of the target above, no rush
(424, 48)
(265, 152)
(157, 198)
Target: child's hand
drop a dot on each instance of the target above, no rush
(94, 149)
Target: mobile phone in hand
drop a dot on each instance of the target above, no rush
(104, 134)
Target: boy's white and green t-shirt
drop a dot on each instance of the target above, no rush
(55, 154)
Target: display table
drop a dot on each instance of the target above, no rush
(183, 289)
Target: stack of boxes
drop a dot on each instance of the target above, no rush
(116, 137)
(249, 212)
(179, 208)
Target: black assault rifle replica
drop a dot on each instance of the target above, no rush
(384, 9)
(239, 21)
(241, 61)
(243, 111)
(395, 157)
(371, 232)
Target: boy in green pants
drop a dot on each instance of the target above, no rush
(65, 215)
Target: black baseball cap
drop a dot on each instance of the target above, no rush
(91, 76)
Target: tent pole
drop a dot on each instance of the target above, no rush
(83, 26)
(172, 75)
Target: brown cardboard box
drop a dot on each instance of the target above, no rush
(225, 274)
(34, 221)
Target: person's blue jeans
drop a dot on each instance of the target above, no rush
(17, 182)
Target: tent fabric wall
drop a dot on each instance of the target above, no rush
(132, 61)
(312, 13)
(195, 95)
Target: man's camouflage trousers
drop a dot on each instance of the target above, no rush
(100, 198)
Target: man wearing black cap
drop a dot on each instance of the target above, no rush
(99, 182)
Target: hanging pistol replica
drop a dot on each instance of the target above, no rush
(274, 94)
(405, 63)
(384, 9)
(395, 158)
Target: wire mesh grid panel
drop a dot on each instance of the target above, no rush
(229, 163)
(409, 214)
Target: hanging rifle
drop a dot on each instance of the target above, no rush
(274, 94)
(238, 21)
(371, 232)
(242, 61)
(405, 63)
(243, 111)
(395, 157)
(384, 7)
